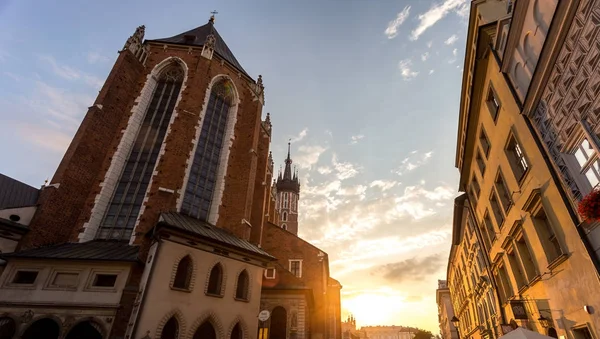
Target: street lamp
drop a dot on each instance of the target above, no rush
(455, 322)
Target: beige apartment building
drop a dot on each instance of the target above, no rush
(445, 311)
(540, 263)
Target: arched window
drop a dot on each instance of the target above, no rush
(183, 276)
(286, 203)
(8, 327)
(243, 284)
(237, 332)
(86, 329)
(284, 226)
(215, 280)
(205, 331)
(171, 329)
(284, 216)
(202, 179)
(124, 207)
(43, 328)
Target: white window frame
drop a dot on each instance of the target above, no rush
(284, 226)
(270, 277)
(578, 170)
(290, 266)
(284, 216)
(286, 202)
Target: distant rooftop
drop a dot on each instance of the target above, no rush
(14, 193)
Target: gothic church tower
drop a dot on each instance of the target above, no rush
(288, 194)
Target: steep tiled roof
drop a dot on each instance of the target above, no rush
(197, 37)
(211, 232)
(97, 250)
(14, 193)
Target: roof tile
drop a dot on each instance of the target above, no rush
(98, 250)
(209, 231)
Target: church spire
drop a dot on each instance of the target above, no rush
(287, 173)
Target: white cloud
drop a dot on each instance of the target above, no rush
(325, 170)
(70, 73)
(59, 104)
(93, 81)
(356, 138)
(356, 190)
(369, 249)
(94, 58)
(451, 40)
(62, 71)
(392, 29)
(308, 155)
(405, 69)
(413, 161)
(344, 170)
(384, 185)
(429, 44)
(300, 135)
(455, 51)
(436, 13)
(431, 71)
(13, 76)
(44, 137)
(425, 56)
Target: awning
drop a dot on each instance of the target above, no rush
(522, 333)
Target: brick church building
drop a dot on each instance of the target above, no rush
(164, 218)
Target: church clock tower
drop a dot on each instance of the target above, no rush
(288, 194)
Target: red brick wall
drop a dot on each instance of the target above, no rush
(63, 211)
(261, 187)
(56, 218)
(285, 246)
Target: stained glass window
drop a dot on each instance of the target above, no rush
(203, 173)
(123, 210)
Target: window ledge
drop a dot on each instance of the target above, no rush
(535, 279)
(242, 300)
(213, 295)
(521, 180)
(523, 288)
(559, 260)
(21, 286)
(187, 290)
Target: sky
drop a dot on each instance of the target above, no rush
(368, 91)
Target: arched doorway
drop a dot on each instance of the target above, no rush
(170, 330)
(278, 323)
(85, 330)
(236, 332)
(45, 328)
(205, 331)
(7, 328)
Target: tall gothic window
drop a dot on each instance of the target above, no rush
(129, 194)
(203, 174)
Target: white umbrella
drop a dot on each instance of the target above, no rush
(523, 333)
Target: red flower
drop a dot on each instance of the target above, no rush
(589, 207)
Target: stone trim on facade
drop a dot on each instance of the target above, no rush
(238, 320)
(193, 276)
(111, 178)
(223, 278)
(180, 320)
(212, 318)
(228, 139)
(249, 289)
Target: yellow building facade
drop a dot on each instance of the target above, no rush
(535, 262)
